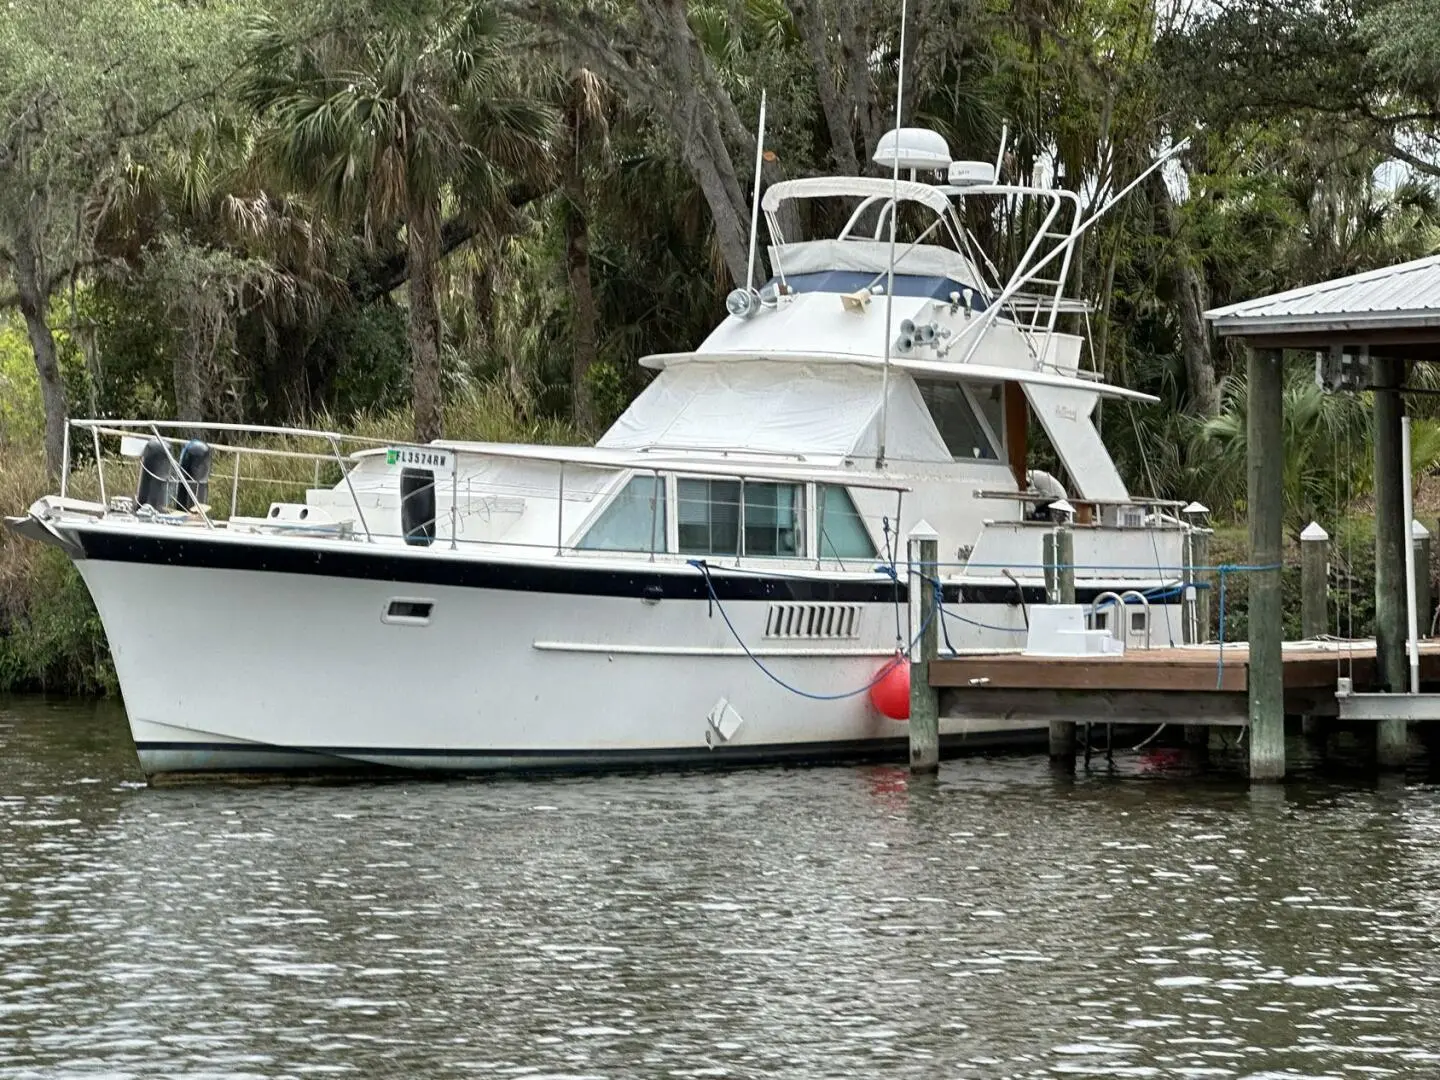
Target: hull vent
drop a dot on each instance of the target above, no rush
(825, 622)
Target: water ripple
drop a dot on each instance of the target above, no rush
(998, 923)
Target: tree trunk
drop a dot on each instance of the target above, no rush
(422, 229)
(583, 317)
(1189, 307)
(185, 370)
(810, 23)
(656, 60)
(852, 26)
(35, 307)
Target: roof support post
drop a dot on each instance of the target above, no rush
(1266, 509)
(1392, 533)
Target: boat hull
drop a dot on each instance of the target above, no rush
(227, 665)
(241, 655)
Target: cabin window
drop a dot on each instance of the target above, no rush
(955, 418)
(634, 520)
(774, 519)
(842, 534)
(708, 515)
(990, 399)
(714, 516)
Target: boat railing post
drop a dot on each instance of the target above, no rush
(235, 487)
(99, 464)
(819, 523)
(65, 462)
(184, 480)
(656, 494)
(360, 510)
(560, 513)
(454, 500)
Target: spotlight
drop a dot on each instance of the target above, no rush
(742, 303)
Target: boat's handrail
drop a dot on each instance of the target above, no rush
(594, 457)
(1037, 497)
(173, 433)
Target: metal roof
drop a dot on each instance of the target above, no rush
(1403, 297)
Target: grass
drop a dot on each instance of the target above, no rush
(51, 638)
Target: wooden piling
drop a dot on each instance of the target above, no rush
(1391, 534)
(1065, 563)
(1059, 555)
(1265, 453)
(924, 553)
(1314, 581)
(1200, 556)
(1314, 607)
(1049, 560)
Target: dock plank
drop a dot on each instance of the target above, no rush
(1307, 666)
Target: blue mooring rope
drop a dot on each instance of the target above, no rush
(703, 567)
(890, 571)
(1231, 568)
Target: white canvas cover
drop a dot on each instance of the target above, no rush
(821, 187)
(770, 406)
(873, 257)
(1065, 415)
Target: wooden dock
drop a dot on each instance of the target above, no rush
(1200, 684)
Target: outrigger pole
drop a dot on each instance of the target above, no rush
(890, 274)
(755, 205)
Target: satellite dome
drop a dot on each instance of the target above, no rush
(915, 148)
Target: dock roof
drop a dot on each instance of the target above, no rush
(1396, 303)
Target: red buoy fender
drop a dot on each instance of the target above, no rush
(890, 693)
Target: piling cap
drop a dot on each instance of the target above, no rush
(1418, 531)
(1062, 505)
(923, 530)
(1313, 531)
(1196, 508)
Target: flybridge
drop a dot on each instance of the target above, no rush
(940, 257)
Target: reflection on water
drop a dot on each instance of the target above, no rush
(997, 923)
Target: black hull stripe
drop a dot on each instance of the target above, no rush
(349, 758)
(681, 583)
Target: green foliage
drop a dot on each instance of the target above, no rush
(53, 639)
(1329, 450)
(21, 419)
(1350, 595)
(370, 358)
(229, 199)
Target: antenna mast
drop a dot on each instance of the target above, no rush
(890, 273)
(755, 205)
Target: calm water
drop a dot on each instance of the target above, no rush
(805, 923)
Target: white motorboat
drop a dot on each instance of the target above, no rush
(718, 579)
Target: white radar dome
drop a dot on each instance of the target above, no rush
(915, 148)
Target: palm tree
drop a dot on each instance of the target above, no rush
(585, 106)
(394, 122)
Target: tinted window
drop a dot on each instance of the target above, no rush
(842, 534)
(708, 516)
(709, 519)
(774, 519)
(635, 521)
(955, 418)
